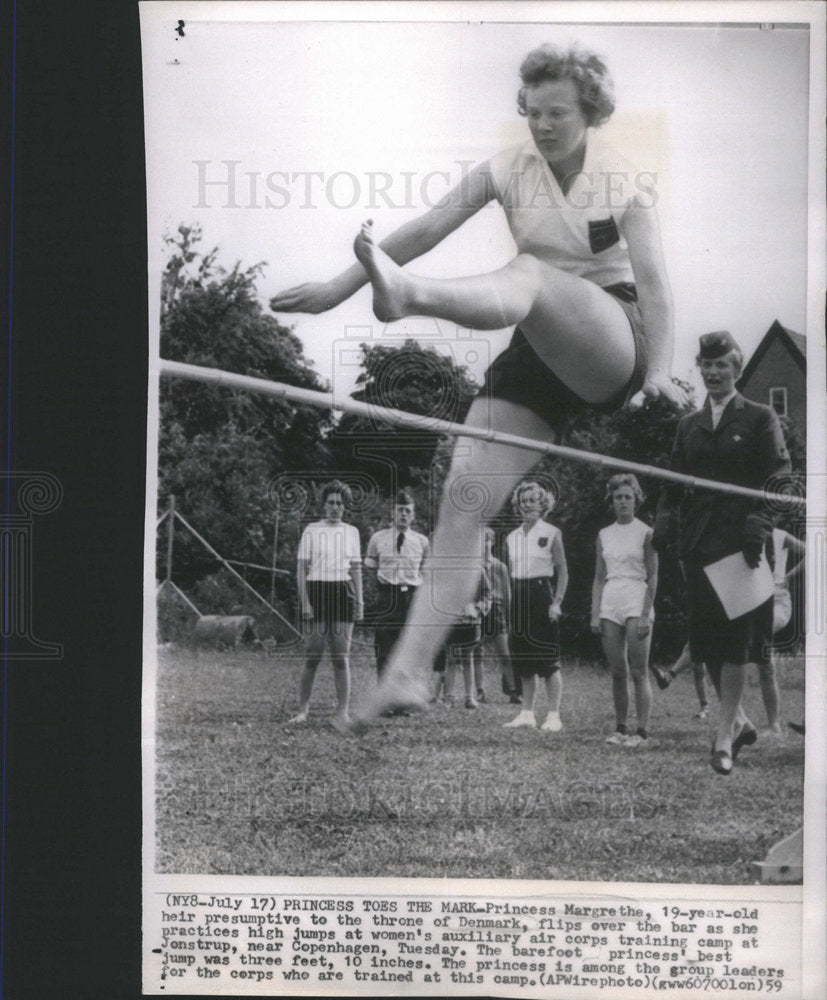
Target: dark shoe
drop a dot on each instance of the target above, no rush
(721, 762)
(515, 699)
(481, 696)
(662, 677)
(744, 739)
(797, 727)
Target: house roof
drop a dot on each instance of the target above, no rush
(796, 344)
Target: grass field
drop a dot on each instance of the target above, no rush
(451, 793)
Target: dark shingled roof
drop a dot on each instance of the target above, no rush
(796, 344)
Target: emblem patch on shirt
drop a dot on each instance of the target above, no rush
(603, 234)
(542, 542)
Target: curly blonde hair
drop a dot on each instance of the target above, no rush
(532, 487)
(586, 69)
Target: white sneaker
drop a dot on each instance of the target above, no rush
(525, 718)
(618, 739)
(634, 741)
(552, 723)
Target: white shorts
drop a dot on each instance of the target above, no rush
(623, 599)
(782, 609)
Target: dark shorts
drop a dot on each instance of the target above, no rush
(519, 376)
(534, 640)
(460, 637)
(715, 639)
(466, 634)
(494, 622)
(332, 601)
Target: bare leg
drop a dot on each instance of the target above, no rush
(479, 667)
(769, 694)
(529, 693)
(554, 693)
(638, 663)
(314, 649)
(339, 653)
(466, 658)
(450, 674)
(614, 646)
(741, 720)
(683, 662)
(732, 690)
(454, 576)
(503, 654)
(699, 678)
(577, 329)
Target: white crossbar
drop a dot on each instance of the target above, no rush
(400, 418)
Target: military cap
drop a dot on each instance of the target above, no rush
(716, 345)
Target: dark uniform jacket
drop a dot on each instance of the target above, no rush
(746, 448)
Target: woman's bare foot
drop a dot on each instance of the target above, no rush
(343, 724)
(390, 297)
(397, 690)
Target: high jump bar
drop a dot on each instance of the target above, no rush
(326, 400)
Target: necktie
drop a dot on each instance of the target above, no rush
(400, 538)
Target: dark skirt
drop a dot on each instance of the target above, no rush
(715, 639)
(534, 639)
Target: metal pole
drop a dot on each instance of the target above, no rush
(170, 535)
(215, 376)
(275, 556)
(235, 573)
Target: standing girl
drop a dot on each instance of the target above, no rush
(623, 595)
(329, 582)
(539, 578)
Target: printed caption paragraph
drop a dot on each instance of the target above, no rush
(249, 944)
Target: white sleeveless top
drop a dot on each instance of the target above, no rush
(530, 552)
(578, 232)
(623, 553)
(330, 549)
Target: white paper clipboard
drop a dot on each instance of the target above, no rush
(739, 588)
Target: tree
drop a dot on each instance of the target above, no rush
(219, 448)
(409, 377)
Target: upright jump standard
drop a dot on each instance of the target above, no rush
(326, 400)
